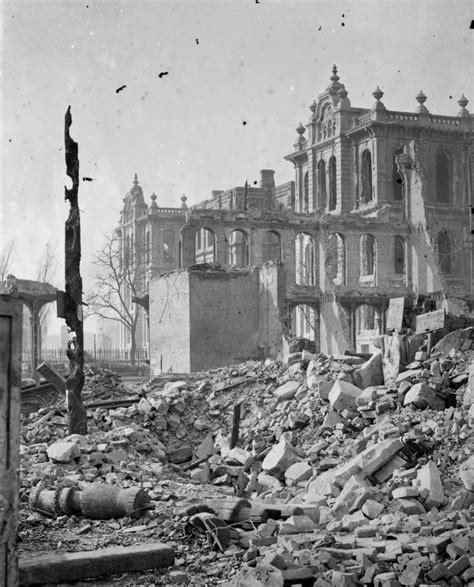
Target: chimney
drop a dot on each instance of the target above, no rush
(267, 179)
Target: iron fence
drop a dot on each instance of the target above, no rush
(99, 357)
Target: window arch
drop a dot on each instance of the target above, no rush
(238, 248)
(367, 195)
(322, 184)
(304, 259)
(147, 247)
(397, 177)
(303, 321)
(305, 193)
(332, 183)
(271, 246)
(205, 243)
(399, 255)
(367, 255)
(445, 252)
(442, 178)
(336, 259)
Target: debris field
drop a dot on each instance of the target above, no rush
(319, 470)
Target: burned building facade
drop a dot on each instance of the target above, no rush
(380, 207)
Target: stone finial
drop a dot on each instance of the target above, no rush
(135, 179)
(183, 198)
(343, 93)
(377, 94)
(300, 140)
(463, 102)
(421, 99)
(313, 107)
(153, 205)
(334, 86)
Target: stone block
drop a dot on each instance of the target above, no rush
(369, 373)
(429, 478)
(280, 458)
(331, 419)
(63, 452)
(372, 509)
(237, 456)
(466, 472)
(343, 395)
(401, 492)
(422, 396)
(298, 472)
(286, 391)
(355, 492)
(297, 525)
(266, 482)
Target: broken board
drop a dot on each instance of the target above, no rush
(11, 318)
(75, 566)
(395, 313)
(430, 321)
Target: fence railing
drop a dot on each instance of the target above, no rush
(109, 358)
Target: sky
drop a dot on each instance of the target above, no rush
(237, 78)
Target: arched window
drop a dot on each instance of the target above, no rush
(397, 178)
(399, 255)
(367, 255)
(304, 259)
(445, 252)
(322, 184)
(366, 195)
(303, 322)
(147, 247)
(336, 259)
(367, 327)
(271, 247)
(332, 184)
(442, 178)
(205, 246)
(305, 193)
(238, 248)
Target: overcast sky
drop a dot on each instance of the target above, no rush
(226, 64)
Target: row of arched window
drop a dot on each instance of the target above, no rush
(328, 196)
(238, 253)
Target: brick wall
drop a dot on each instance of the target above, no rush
(224, 318)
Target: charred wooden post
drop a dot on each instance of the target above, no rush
(76, 413)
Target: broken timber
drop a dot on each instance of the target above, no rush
(77, 418)
(75, 566)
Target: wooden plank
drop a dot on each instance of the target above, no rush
(50, 374)
(75, 566)
(430, 321)
(10, 380)
(395, 313)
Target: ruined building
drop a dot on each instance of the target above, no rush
(380, 207)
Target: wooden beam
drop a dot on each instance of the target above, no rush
(11, 317)
(77, 416)
(50, 374)
(75, 566)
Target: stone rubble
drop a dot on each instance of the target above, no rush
(351, 480)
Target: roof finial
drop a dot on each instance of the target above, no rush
(421, 99)
(135, 179)
(183, 198)
(334, 77)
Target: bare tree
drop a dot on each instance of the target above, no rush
(6, 258)
(47, 268)
(120, 279)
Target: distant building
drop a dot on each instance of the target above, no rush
(379, 208)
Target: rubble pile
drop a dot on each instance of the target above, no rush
(340, 476)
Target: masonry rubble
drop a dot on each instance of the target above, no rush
(341, 475)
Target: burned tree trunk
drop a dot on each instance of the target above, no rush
(77, 418)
